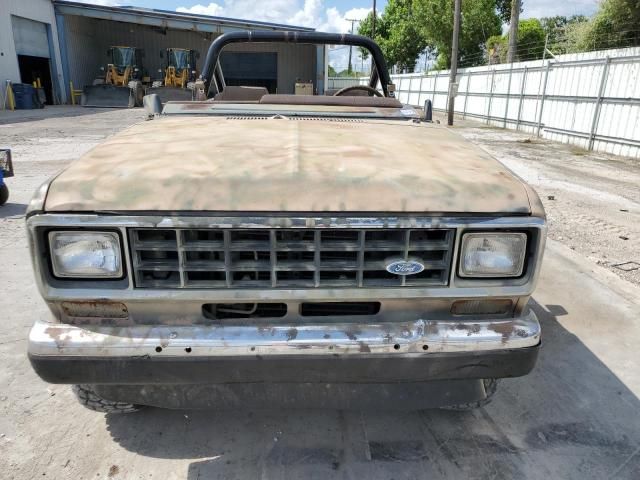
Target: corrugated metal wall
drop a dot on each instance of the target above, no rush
(88, 40)
(589, 99)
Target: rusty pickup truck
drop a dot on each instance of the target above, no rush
(335, 251)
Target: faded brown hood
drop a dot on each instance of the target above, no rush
(266, 165)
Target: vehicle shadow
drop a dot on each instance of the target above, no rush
(570, 418)
(13, 210)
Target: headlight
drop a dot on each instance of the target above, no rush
(85, 254)
(492, 254)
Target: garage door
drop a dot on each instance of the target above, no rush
(251, 69)
(30, 37)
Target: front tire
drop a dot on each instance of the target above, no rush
(91, 400)
(490, 387)
(4, 193)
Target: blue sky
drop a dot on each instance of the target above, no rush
(173, 4)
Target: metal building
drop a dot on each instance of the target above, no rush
(29, 46)
(62, 42)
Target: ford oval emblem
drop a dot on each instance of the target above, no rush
(405, 267)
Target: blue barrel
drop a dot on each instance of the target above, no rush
(24, 95)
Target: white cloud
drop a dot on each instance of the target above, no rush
(307, 13)
(308, 16)
(339, 22)
(267, 11)
(211, 9)
(310, 13)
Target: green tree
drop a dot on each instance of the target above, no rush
(559, 30)
(398, 33)
(531, 40)
(504, 9)
(407, 28)
(480, 21)
(497, 47)
(616, 24)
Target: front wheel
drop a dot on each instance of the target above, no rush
(4, 193)
(490, 388)
(91, 400)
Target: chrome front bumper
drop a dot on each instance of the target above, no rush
(416, 338)
(422, 351)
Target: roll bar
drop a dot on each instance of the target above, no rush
(208, 81)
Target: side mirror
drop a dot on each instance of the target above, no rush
(152, 105)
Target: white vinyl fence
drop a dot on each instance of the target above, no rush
(590, 99)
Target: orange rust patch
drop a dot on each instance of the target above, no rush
(95, 309)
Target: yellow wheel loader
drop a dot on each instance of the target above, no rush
(177, 79)
(120, 83)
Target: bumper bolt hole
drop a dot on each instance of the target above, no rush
(188, 349)
(396, 346)
(253, 349)
(158, 349)
(425, 347)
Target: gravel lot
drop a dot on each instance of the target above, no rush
(576, 416)
(592, 200)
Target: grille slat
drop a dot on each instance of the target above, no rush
(282, 258)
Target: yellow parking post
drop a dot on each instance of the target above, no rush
(74, 93)
(9, 97)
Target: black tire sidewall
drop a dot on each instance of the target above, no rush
(4, 193)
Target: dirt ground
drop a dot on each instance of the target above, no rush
(574, 417)
(592, 200)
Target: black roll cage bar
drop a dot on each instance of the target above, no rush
(212, 77)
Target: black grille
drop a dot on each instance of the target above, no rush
(280, 258)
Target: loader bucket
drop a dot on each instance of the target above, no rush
(171, 94)
(108, 96)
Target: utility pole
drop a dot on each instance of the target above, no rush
(513, 31)
(453, 86)
(350, 47)
(373, 22)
